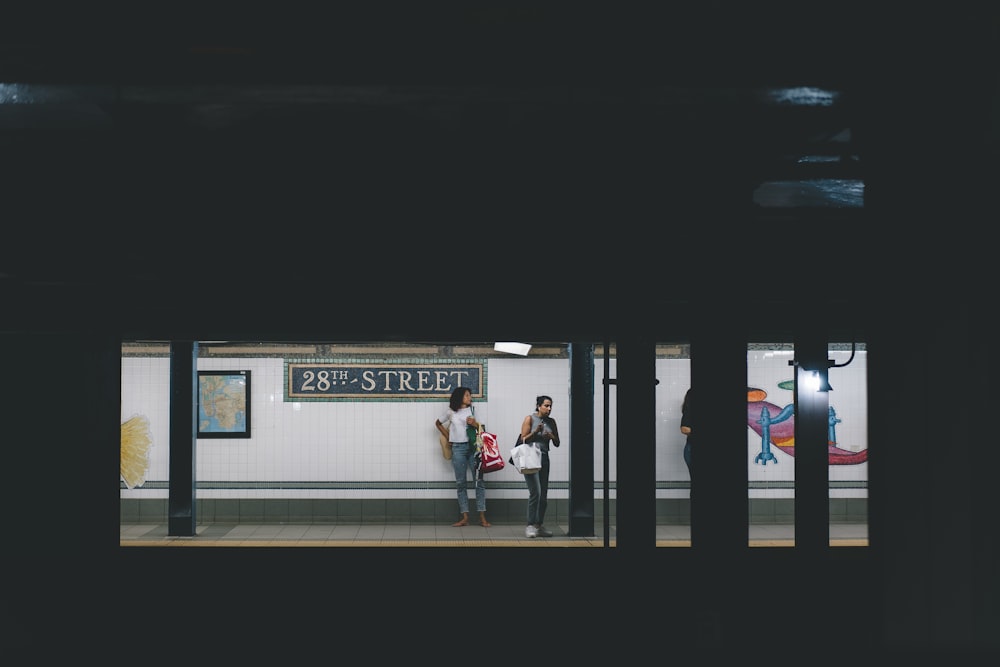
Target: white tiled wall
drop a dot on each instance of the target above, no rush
(396, 442)
(369, 441)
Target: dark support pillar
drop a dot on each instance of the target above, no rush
(719, 504)
(105, 403)
(61, 441)
(636, 438)
(812, 475)
(908, 443)
(812, 495)
(581, 443)
(932, 434)
(183, 434)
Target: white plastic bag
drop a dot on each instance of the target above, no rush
(527, 458)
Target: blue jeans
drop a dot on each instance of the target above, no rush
(463, 460)
(538, 492)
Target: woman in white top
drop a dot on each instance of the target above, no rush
(453, 425)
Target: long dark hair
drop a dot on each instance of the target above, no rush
(455, 402)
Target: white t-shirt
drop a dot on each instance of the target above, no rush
(456, 424)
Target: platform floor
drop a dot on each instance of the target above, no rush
(414, 535)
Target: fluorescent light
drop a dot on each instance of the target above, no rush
(513, 348)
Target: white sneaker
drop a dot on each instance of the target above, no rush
(529, 531)
(542, 531)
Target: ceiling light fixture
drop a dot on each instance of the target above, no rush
(521, 349)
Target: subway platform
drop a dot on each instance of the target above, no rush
(432, 535)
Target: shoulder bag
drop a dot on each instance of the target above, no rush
(526, 457)
(445, 441)
(445, 446)
(490, 458)
(471, 432)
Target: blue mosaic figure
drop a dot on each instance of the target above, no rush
(765, 422)
(831, 432)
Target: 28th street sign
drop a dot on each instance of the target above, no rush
(354, 381)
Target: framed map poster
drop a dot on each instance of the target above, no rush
(223, 404)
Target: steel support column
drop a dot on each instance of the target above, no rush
(182, 520)
(581, 443)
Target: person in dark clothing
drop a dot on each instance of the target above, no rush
(540, 428)
(687, 420)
